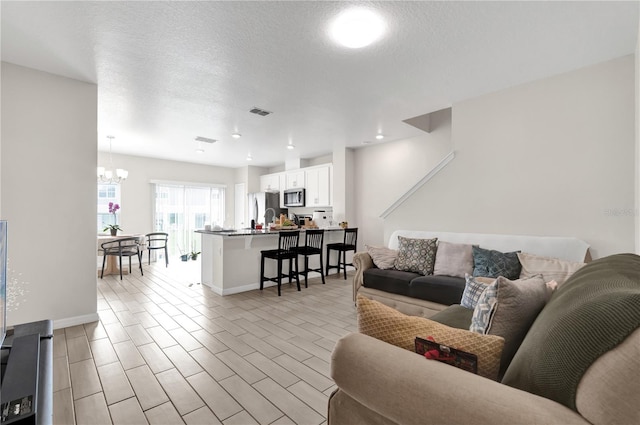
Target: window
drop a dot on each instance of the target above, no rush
(182, 209)
(107, 193)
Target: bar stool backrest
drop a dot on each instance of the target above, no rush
(351, 237)
(314, 238)
(288, 240)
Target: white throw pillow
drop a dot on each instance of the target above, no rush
(383, 257)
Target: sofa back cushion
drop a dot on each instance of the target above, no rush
(590, 314)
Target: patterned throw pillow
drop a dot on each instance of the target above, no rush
(383, 257)
(473, 288)
(491, 263)
(386, 324)
(484, 308)
(416, 255)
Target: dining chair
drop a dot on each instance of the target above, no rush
(158, 240)
(287, 244)
(124, 247)
(348, 243)
(313, 241)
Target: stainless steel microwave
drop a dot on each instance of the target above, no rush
(294, 197)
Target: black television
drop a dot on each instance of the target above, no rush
(3, 280)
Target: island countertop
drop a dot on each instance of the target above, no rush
(250, 232)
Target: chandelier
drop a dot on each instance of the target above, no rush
(109, 176)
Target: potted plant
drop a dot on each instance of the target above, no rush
(113, 228)
(194, 255)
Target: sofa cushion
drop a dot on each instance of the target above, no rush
(591, 313)
(453, 259)
(513, 306)
(383, 257)
(393, 281)
(386, 324)
(455, 316)
(416, 255)
(445, 290)
(549, 268)
(492, 263)
(473, 288)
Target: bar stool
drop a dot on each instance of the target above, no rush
(348, 244)
(313, 241)
(287, 244)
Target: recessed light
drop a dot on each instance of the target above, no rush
(380, 136)
(236, 135)
(199, 150)
(357, 27)
(366, 142)
(249, 158)
(291, 146)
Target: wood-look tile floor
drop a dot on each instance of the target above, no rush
(170, 351)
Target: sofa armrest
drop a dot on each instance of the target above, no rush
(361, 261)
(408, 389)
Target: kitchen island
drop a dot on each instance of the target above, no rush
(230, 260)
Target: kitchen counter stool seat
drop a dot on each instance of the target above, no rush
(312, 246)
(287, 244)
(348, 244)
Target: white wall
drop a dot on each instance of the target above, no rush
(551, 157)
(637, 180)
(136, 215)
(384, 172)
(48, 192)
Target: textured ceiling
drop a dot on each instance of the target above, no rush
(168, 72)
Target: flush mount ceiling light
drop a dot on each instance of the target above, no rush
(357, 27)
(291, 146)
(380, 136)
(108, 176)
(236, 135)
(249, 157)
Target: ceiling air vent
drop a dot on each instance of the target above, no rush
(259, 111)
(205, 140)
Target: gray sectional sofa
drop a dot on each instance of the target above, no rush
(418, 295)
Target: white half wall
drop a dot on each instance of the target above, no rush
(385, 172)
(552, 157)
(48, 192)
(138, 206)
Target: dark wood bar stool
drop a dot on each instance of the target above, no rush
(287, 244)
(313, 241)
(348, 244)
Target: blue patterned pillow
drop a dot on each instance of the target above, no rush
(490, 263)
(473, 288)
(484, 309)
(416, 255)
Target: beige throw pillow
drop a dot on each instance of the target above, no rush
(453, 259)
(549, 268)
(386, 324)
(383, 257)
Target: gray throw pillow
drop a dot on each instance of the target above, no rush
(453, 259)
(491, 263)
(416, 255)
(508, 309)
(383, 257)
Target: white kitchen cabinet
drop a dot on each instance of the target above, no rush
(270, 182)
(318, 186)
(295, 179)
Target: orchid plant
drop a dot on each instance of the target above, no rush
(113, 208)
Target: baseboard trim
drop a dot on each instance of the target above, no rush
(76, 320)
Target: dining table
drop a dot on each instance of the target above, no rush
(111, 266)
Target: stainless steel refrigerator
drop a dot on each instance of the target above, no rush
(263, 206)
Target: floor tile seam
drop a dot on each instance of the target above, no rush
(255, 389)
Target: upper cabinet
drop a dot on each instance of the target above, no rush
(295, 179)
(318, 186)
(271, 182)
